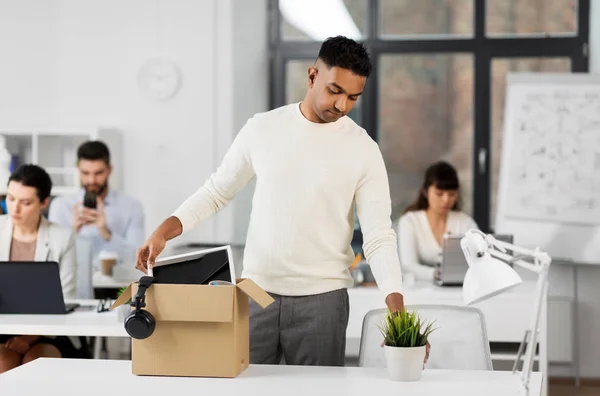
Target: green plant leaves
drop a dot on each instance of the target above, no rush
(405, 330)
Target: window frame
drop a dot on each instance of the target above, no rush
(484, 50)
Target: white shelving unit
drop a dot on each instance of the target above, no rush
(56, 151)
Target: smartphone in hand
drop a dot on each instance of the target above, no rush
(89, 200)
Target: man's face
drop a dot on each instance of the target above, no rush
(333, 91)
(93, 175)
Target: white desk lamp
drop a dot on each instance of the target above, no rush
(487, 276)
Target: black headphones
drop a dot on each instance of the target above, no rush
(139, 323)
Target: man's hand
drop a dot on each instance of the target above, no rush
(395, 303)
(77, 219)
(21, 344)
(95, 217)
(147, 254)
(100, 219)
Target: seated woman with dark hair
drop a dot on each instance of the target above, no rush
(25, 235)
(435, 212)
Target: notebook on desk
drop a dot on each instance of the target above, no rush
(32, 287)
(454, 265)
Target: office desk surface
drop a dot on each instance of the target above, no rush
(79, 323)
(515, 306)
(62, 377)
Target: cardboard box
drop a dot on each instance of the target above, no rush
(201, 330)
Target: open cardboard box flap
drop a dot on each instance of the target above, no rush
(194, 303)
(253, 291)
(124, 297)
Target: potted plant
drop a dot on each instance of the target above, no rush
(123, 310)
(405, 339)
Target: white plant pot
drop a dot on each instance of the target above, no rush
(404, 364)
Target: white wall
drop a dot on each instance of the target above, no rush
(27, 47)
(73, 64)
(251, 77)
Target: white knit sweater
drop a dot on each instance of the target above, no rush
(309, 176)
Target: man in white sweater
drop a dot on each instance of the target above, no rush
(312, 164)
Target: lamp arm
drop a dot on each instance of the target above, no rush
(541, 268)
(514, 248)
(542, 259)
(541, 291)
(521, 263)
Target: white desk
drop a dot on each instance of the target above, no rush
(62, 377)
(86, 323)
(79, 323)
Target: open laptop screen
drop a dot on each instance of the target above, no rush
(31, 287)
(196, 268)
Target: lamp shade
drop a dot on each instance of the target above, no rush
(486, 277)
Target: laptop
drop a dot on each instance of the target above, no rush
(454, 265)
(202, 267)
(32, 287)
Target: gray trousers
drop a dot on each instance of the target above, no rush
(304, 330)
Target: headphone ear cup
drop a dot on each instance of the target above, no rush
(140, 324)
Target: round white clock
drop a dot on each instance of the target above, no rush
(159, 78)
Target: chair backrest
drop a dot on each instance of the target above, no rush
(459, 342)
(84, 247)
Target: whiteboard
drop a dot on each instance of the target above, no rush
(549, 186)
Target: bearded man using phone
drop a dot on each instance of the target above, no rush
(113, 220)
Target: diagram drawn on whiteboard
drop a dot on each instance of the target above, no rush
(554, 157)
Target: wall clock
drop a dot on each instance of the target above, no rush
(159, 79)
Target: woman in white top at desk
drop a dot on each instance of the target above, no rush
(26, 236)
(435, 212)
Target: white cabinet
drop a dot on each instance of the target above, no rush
(56, 152)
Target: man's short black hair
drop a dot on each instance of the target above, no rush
(94, 150)
(33, 176)
(346, 53)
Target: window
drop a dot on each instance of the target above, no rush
(307, 20)
(408, 19)
(438, 87)
(425, 113)
(296, 80)
(531, 17)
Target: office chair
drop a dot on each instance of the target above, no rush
(460, 341)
